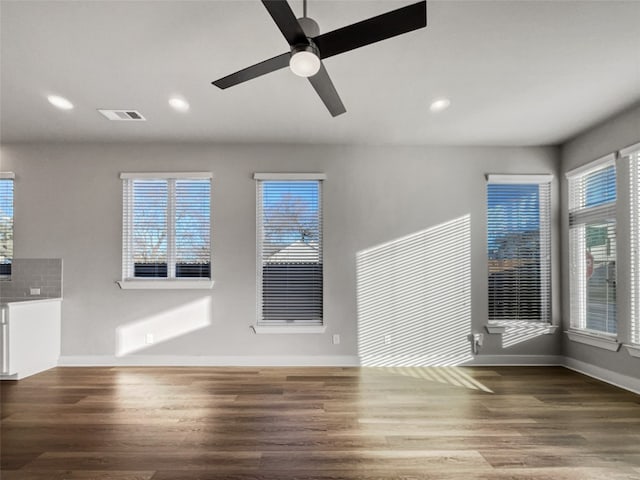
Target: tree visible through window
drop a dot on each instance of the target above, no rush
(290, 252)
(6, 224)
(167, 228)
(519, 248)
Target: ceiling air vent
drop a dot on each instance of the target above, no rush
(123, 115)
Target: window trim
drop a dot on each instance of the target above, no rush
(631, 155)
(581, 216)
(289, 176)
(595, 339)
(165, 175)
(519, 178)
(10, 176)
(602, 162)
(630, 150)
(293, 328)
(128, 282)
(498, 326)
(165, 284)
(287, 329)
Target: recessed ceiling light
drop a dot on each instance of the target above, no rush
(439, 105)
(60, 102)
(179, 104)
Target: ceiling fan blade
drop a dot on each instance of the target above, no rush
(387, 25)
(286, 21)
(327, 92)
(268, 66)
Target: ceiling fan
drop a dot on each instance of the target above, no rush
(308, 48)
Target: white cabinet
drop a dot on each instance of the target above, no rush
(29, 337)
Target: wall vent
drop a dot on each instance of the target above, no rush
(123, 115)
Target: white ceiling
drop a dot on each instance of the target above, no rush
(517, 73)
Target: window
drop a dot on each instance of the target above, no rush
(633, 156)
(6, 223)
(519, 247)
(166, 229)
(289, 230)
(592, 247)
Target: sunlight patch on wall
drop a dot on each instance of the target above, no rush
(414, 298)
(163, 326)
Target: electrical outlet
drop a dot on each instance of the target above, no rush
(34, 291)
(148, 338)
(336, 338)
(387, 339)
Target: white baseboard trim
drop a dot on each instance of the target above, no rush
(623, 381)
(617, 379)
(515, 361)
(284, 360)
(209, 361)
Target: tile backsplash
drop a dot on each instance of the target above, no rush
(28, 273)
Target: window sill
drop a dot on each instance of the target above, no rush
(634, 350)
(500, 328)
(154, 284)
(284, 329)
(599, 341)
(495, 329)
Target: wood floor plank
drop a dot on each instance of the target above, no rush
(303, 423)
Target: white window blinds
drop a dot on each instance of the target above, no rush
(519, 247)
(6, 223)
(166, 226)
(289, 229)
(634, 201)
(592, 247)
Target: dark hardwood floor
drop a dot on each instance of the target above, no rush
(516, 423)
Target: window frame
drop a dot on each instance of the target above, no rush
(11, 177)
(129, 281)
(497, 325)
(582, 216)
(631, 156)
(261, 327)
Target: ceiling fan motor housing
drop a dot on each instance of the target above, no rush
(310, 47)
(309, 26)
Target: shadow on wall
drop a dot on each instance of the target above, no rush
(163, 326)
(414, 298)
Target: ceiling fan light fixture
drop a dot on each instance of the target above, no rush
(304, 61)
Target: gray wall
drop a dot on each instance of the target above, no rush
(68, 205)
(612, 135)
